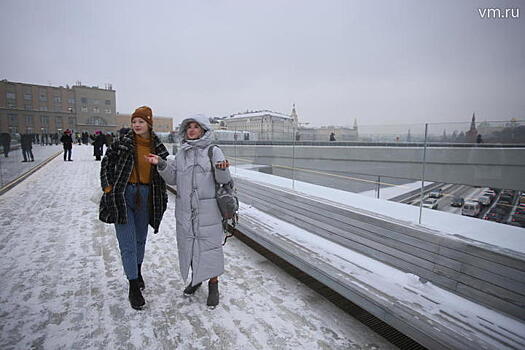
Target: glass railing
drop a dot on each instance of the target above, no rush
(421, 170)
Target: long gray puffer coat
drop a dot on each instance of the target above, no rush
(199, 221)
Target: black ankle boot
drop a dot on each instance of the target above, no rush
(135, 296)
(142, 286)
(213, 294)
(189, 290)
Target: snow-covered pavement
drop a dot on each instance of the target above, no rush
(63, 285)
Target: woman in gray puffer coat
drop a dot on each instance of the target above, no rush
(199, 221)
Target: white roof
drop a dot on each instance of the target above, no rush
(258, 114)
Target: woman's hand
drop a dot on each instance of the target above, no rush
(222, 165)
(152, 159)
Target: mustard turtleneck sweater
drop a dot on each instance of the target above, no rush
(141, 167)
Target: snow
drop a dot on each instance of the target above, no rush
(499, 235)
(63, 285)
(376, 276)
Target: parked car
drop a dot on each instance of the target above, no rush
(457, 201)
(497, 217)
(520, 209)
(437, 193)
(506, 198)
(518, 217)
(471, 209)
(485, 200)
(489, 193)
(431, 203)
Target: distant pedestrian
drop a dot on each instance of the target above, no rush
(98, 145)
(85, 138)
(479, 139)
(332, 136)
(199, 222)
(134, 195)
(6, 143)
(26, 143)
(67, 143)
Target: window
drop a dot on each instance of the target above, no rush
(10, 95)
(108, 110)
(58, 122)
(96, 121)
(28, 107)
(72, 122)
(44, 120)
(42, 108)
(57, 108)
(71, 101)
(12, 119)
(83, 108)
(28, 96)
(57, 99)
(96, 110)
(11, 104)
(29, 120)
(95, 102)
(83, 100)
(43, 96)
(108, 102)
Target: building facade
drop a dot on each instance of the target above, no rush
(160, 124)
(39, 109)
(267, 125)
(95, 108)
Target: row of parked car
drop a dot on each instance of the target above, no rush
(500, 212)
(473, 207)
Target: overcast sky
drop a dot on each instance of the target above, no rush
(385, 62)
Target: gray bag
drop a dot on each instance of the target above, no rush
(226, 199)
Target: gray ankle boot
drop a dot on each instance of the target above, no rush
(189, 290)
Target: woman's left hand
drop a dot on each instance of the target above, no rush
(222, 165)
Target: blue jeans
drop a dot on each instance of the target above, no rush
(132, 235)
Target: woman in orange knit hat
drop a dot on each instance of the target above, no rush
(134, 195)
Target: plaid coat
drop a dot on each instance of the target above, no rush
(115, 171)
